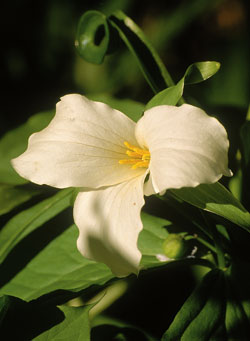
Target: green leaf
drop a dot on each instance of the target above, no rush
(27, 221)
(202, 312)
(58, 265)
(12, 196)
(92, 38)
(132, 109)
(195, 73)
(200, 71)
(69, 270)
(14, 143)
(75, 325)
(148, 60)
(217, 199)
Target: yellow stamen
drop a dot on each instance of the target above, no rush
(139, 157)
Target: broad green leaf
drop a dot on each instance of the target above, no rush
(202, 312)
(217, 199)
(58, 266)
(75, 326)
(12, 196)
(149, 61)
(25, 222)
(195, 73)
(129, 107)
(92, 38)
(62, 266)
(14, 143)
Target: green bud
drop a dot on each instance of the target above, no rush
(175, 246)
(209, 256)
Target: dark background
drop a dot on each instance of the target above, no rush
(39, 62)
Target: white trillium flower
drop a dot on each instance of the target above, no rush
(102, 151)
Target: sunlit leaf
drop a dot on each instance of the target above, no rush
(195, 73)
(217, 199)
(58, 265)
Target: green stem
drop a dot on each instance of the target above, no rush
(217, 242)
(204, 242)
(107, 297)
(219, 250)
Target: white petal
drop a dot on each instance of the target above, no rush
(187, 147)
(81, 147)
(109, 223)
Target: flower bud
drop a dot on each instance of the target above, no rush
(175, 246)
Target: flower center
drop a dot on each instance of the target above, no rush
(138, 157)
